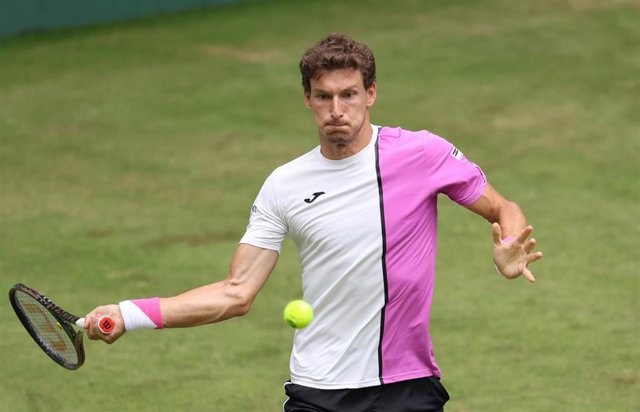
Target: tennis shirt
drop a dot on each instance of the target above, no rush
(366, 231)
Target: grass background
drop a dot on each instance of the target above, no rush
(130, 155)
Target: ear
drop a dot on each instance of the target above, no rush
(372, 93)
(307, 99)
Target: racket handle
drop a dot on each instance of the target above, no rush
(105, 324)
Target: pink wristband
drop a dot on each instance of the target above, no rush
(141, 314)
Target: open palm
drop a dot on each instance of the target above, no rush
(512, 258)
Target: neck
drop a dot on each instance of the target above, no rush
(337, 149)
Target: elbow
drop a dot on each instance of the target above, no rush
(242, 307)
(240, 301)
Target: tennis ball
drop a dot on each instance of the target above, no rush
(298, 314)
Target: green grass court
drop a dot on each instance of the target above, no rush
(130, 155)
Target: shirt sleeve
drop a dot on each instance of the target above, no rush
(267, 227)
(452, 173)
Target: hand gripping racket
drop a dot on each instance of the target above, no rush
(51, 327)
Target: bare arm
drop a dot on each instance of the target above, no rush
(228, 298)
(496, 209)
(233, 296)
(511, 244)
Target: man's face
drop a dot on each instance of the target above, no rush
(340, 104)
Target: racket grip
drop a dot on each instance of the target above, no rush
(105, 324)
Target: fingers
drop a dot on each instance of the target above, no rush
(534, 256)
(513, 258)
(497, 234)
(529, 245)
(89, 319)
(92, 328)
(528, 275)
(521, 238)
(91, 324)
(524, 234)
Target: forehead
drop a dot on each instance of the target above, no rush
(339, 79)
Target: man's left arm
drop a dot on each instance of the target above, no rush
(511, 243)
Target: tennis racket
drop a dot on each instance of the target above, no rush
(51, 327)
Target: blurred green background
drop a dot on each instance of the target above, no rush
(130, 155)
(29, 16)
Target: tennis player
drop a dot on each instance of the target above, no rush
(361, 208)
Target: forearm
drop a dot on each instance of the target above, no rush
(212, 303)
(225, 299)
(207, 304)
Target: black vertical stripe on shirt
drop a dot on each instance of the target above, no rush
(384, 259)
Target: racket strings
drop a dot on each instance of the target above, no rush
(50, 332)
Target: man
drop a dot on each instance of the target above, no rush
(361, 208)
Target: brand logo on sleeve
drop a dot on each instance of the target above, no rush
(457, 154)
(314, 197)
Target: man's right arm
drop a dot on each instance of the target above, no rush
(231, 297)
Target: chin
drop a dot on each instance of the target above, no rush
(339, 141)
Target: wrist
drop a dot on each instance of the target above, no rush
(141, 314)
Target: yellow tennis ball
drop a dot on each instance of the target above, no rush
(298, 314)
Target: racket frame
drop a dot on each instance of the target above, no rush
(64, 318)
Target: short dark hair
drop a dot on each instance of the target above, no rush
(338, 51)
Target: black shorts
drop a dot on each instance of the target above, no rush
(416, 395)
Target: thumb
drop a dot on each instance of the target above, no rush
(497, 234)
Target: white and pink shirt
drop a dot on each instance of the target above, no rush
(366, 231)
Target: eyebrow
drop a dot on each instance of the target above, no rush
(348, 88)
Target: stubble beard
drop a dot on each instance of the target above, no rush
(339, 140)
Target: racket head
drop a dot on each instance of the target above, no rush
(49, 325)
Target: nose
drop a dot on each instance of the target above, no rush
(336, 111)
